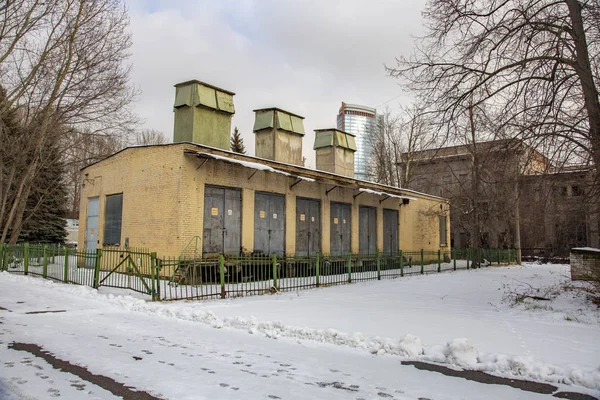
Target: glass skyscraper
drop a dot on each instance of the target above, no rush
(361, 121)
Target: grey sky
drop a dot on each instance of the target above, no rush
(305, 56)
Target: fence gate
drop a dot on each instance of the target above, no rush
(308, 227)
(340, 229)
(390, 231)
(269, 223)
(222, 221)
(126, 270)
(367, 230)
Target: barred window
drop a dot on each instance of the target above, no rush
(113, 215)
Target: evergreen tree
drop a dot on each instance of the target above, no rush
(237, 143)
(44, 218)
(46, 211)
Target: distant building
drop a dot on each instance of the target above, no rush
(360, 121)
(553, 210)
(72, 230)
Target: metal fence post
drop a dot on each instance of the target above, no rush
(422, 262)
(401, 264)
(66, 262)
(45, 267)
(152, 262)
(378, 265)
(96, 283)
(439, 261)
(157, 272)
(222, 274)
(25, 259)
(274, 258)
(468, 257)
(454, 258)
(317, 267)
(2, 266)
(349, 266)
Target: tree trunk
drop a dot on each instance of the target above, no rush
(475, 191)
(584, 72)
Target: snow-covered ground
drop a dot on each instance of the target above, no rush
(340, 342)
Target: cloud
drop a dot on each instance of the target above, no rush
(303, 56)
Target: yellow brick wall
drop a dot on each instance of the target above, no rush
(163, 201)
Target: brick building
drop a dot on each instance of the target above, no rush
(519, 196)
(161, 197)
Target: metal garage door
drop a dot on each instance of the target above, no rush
(367, 230)
(308, 227)
(340, 229)
(222, 221)
(269, 223)
(390, 231)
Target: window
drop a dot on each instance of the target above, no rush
(112, 219)
(443, 231)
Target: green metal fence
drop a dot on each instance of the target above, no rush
(220, 277)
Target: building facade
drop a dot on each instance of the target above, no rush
(163, 197)
(360, 121)
(508, 195)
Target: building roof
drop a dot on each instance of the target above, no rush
(358, 107)
(277, 109)
(265, 119)
(204, 84)
(334, 138)
(294, 171)
(462, 150)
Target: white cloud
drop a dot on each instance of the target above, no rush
(305, 56)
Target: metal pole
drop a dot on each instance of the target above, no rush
(222, 274)
(158, 268)
(401, 264)
(275, 271)
(25, 259)
(66, 262)
(97, 269)
(422, 262)
(378, 265)
(45, 268)
(349, 266)
(152, 262)
(317, 267)
(439, 260)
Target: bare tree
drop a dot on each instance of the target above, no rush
(386, 146)
(62, 65)
(536, 61)
(85, 148)
(396, 139)
(149, 137)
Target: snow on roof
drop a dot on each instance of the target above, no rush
(247, 164)
(385, 194)
(250, 164)
(264, 167)
(592, 249)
